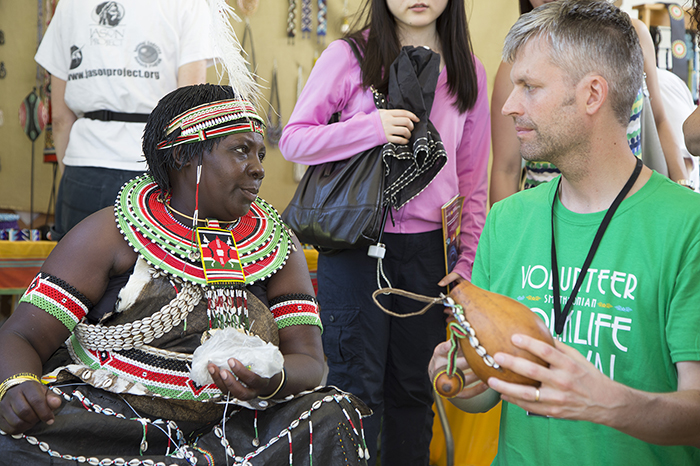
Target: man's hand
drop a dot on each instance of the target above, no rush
(572, 387)
(450, 278)
(472, 385)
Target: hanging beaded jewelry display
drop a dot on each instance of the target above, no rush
(274, 130)
(322, 26)
(178, 447)
(345, 21)
(194, 124)
(305, 19)
(291, 21)
(248, 37)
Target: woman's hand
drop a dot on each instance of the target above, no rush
(398, 125)
(25, 405)
(242, 383)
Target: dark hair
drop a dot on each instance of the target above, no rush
(376, 22)
(178, 101)
(525, 7)
(696, 12)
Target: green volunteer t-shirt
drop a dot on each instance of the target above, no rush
(636, 315)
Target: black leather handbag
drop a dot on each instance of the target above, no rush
(338, 205)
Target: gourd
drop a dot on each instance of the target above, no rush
(489, 321)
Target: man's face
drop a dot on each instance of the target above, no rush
(543, 105)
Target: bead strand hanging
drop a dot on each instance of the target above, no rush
(345, 21)
(274, 130)
(305, 19)
(291, 21)
(322, 19)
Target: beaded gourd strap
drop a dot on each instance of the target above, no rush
(458, 329)
(141, 332)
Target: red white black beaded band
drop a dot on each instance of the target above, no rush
(295, 309)
(58, 298)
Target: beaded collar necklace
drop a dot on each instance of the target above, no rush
(261, 239)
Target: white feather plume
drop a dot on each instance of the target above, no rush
(228, 52)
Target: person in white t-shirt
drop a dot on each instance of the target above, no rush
(110, 63)
(678, 102)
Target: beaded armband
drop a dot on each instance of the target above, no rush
(295, 309)
(58, 298)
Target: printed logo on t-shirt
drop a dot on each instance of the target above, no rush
(76, 57)
(106, 30)
(148, 54)
(108, 14)
(602, 317)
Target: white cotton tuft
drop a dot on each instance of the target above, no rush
(227, 50)
(260, 357)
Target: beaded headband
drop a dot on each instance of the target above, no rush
(195, 122)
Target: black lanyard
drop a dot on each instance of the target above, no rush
(559, 315)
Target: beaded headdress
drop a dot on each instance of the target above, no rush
(213, 120)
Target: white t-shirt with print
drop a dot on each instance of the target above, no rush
(121, 56)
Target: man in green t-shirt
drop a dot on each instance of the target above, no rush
(623, 382)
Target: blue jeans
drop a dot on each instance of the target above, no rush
(380, 358)
(83, 191)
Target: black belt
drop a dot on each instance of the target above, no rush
(108, 115)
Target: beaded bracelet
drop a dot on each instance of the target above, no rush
(283, 382)
(16, 380)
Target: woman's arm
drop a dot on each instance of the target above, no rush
(472, 172)
(84, 260)
(691, 131)
(506, 165)
(335, 84)
(62, 119)
(672, 154)
(300, 344)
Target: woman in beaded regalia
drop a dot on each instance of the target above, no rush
(188, 252)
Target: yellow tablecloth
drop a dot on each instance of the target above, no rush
(20, 261)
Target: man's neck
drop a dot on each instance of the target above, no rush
(595, 187)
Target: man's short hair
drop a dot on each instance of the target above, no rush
(586, 36)
(178, 101)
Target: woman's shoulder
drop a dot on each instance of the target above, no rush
(339, 49)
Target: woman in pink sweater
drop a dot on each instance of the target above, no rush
(379, 358)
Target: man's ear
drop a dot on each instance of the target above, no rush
(595, 88)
